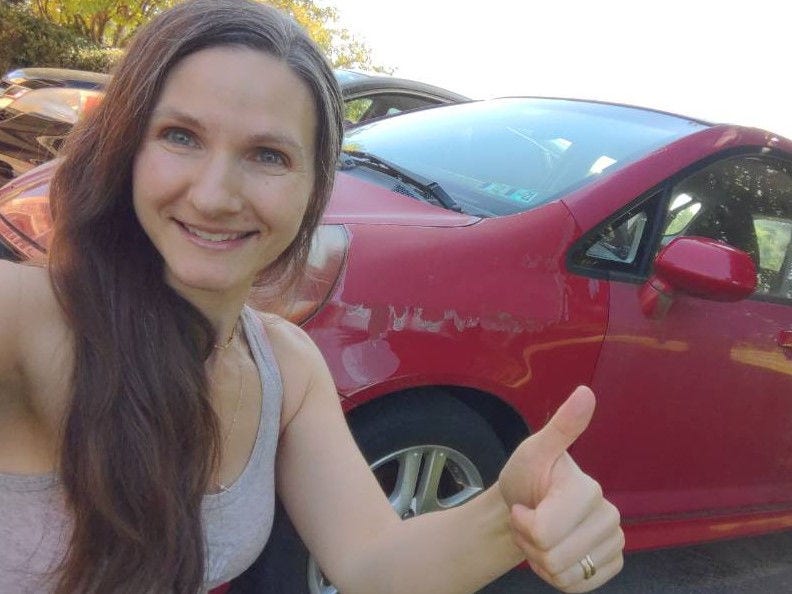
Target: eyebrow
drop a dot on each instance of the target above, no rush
(167, 112)
(263, 138)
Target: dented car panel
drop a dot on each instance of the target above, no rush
(485, 334)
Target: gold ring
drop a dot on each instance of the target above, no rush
(588, 567)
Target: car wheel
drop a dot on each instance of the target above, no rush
(428, 451)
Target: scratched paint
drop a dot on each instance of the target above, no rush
(369, 362)
(446, 321)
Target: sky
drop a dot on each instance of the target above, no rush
(718, 60)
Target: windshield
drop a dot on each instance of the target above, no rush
(510, 155)
(345, 77)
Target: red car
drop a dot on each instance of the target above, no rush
(479, 261)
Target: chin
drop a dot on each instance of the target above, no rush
(212, 281)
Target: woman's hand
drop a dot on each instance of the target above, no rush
(568, 531)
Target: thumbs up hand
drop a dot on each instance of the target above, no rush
(568, 531)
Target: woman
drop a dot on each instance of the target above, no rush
(146, 414)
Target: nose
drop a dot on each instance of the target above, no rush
(215, 188)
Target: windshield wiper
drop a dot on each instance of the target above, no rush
(351, 159)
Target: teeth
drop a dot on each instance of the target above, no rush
(213, 236)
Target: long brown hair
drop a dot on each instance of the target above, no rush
(140, 441)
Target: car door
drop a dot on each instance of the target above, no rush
(695, 405)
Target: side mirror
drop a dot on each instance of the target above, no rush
(700, 267)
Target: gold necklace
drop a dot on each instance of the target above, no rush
(222, 347)
(220, 484)
(226, 343)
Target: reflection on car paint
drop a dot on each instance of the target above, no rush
(770, 360)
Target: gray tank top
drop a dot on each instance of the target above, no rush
(35, 527)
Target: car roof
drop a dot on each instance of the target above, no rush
(58, 77)
(352, 82)
(356, 83)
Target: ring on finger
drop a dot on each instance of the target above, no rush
(588, 567)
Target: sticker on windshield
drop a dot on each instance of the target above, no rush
(509, 192)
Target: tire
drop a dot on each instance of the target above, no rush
(428, 451)
(447, 452)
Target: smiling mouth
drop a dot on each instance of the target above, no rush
(214, 237)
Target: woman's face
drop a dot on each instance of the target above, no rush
(225, 170)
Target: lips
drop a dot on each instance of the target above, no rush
(214, 236)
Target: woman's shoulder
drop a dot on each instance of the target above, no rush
(14, 274)
(29, 326)
(21, 288)
(284, 335)
(30, 317)
(16, 277)
(299, 360)
(26, 295)
(36, 343)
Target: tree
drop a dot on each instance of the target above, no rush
(28, 40)
(105, 22)
(340, 46)
(111, 23)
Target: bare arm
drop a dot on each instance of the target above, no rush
(348, 524)
(35, 362)
(11, 281)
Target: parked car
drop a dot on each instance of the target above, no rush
(39, 106)
(478, 261)
(371, 96)
(16, 83)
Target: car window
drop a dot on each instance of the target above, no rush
(619, 241)
(745, 201)
(620, 244)
(363, 109)
(512, 155)
(354, 109)
(774, 235)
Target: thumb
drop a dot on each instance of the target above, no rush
(566, 425)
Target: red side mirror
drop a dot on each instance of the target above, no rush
(700, 267)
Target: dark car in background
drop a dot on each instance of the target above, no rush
(479, 261)
(16, 83)
(370, 96)
(39, 106)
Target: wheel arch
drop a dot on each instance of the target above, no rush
(506, 423)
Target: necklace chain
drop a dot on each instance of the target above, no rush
(223, 347)
(220, 484)
(226, 343)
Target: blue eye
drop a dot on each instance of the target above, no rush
(179, 136)
(269, 157)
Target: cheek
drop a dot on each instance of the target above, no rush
(153, 178)
(281, 203)
(303, 200)
(142, 170)
(139, 189)
(298, 213)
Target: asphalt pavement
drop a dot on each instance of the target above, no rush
(756, 565)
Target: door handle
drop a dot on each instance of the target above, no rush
(785, 339)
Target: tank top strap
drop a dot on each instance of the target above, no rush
(265, 359)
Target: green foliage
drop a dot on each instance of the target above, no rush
(355, 108)
(774, 236)
(108, 23)
(76, 33)
(339, 45)
(26, 40)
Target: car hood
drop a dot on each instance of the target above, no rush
(352, 201)
(357, 201)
